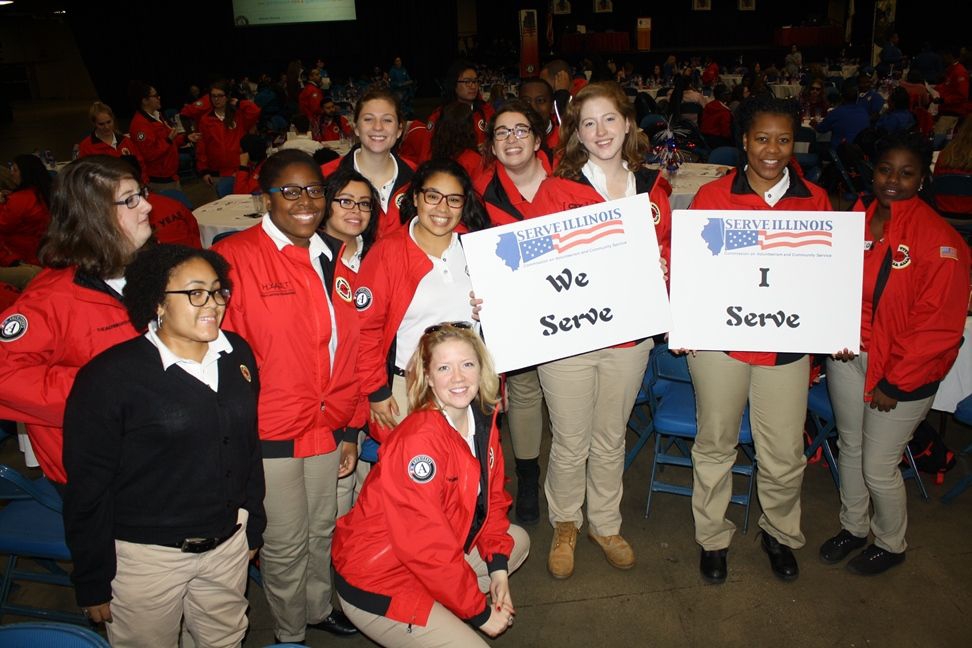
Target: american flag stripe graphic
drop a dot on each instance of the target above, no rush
(768, 240)
(564, 242)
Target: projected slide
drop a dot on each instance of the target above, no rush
(250, 13)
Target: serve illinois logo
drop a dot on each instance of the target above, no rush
(572, 234)
(768, 236)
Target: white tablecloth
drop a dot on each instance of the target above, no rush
(730, 80)
(687, 180)
(786, 90)
(230, 213)
(957, 384)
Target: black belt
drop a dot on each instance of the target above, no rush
(399, 372)
(202, 545)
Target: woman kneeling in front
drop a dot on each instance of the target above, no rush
(429, 533)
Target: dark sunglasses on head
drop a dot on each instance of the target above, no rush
(438, 327)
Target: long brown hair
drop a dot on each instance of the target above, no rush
(84, 229)
(957, 154)
(573, 155)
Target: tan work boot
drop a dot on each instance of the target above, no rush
(560, 562)
(616, 549)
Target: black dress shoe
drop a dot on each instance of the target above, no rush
(840, 546)
(712, 565)
(335, 623)
(782, 561)
(874, 560)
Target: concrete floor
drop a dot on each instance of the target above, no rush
(663, 602)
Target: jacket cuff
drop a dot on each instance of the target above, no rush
(90, 594)
(895, 392)
(384, 393)
(498, 562)
(349, 434)
(480, 618)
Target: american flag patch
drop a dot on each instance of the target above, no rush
(948, 252)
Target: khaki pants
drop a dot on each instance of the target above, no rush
(443, 628)
(590, 397)
(777, 398)
(155, 588)
(525, 413)
(871, 443)
(349, 487)
(295, 560)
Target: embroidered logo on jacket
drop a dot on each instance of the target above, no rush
(13, 328)
(362, 298)
(655, 213)
(421, 469)
(901, 258)
(246, 373)
(343, 289)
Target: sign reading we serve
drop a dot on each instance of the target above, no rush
(782, 281)
(568, 283)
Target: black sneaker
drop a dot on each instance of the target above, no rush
(840, 546)
(874, 560)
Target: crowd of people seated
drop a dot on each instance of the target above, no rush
(345, 318)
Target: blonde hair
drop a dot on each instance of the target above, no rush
(572, 153)
(97, 108)
(957, 154)
(420, 394)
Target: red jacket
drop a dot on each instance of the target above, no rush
(194, 111)
(309, 101)
(332, 130)
(248, 180)
(23, 222)
(172, 222)
(954, 91)
(389, 221)
(732, 191)
(94, 146)
(387, 282)
(716, 120)
(62, 320)
(503, 200)
(279, 307)
(953, 204)
(151, 137)
(920, 305)
(218, 150)
(8, 295)
(403, 545)
(416, 142)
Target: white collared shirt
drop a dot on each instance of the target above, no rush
(441, 296)
(355, 261)
(599, 180)
(775, 193)
(117, 284)
(315, 250)
(385, 190)
(206, 372)
(470, 436)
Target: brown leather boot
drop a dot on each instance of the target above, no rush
(560, 562)
(616, 549)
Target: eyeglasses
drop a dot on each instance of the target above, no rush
(199, 297)
(468, 81)
(292, 192)
(347, 203)
(133, 201)
(433, 198)
(439, 327)
(213, 95)
(502, 133)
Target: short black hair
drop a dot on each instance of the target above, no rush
(338, 181)
(276, 163)
(906, 141)
(758, 104)
(148, 275)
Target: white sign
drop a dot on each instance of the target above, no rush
(568, 283)
(783, 281)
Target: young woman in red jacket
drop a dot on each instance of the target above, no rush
(104, 140)
(916, 290)
(412, 278)
(516, 168)
(220, 130)
(293, 303)
(429, 536)
(72, 310)
(156, 141)
(24, 212)
(378, 124)
(590, 396)
(774, 384)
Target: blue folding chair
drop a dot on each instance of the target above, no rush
(821, 414)
(963, 414)
(224, 186)
(32, 527)
(675, 423)
(728, 155)
(49, 635)
(642, 415)
(175, 194)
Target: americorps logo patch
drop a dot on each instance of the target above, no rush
(13, 328)
(421, 469)
(362, 298)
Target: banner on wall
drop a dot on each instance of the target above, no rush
(529, 47)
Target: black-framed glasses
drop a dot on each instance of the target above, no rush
(520, 131)
(438, 327)
(349, 204)
(433, 198)
(292, 192)
(468, 81)
(133, 201)
(199, 297)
